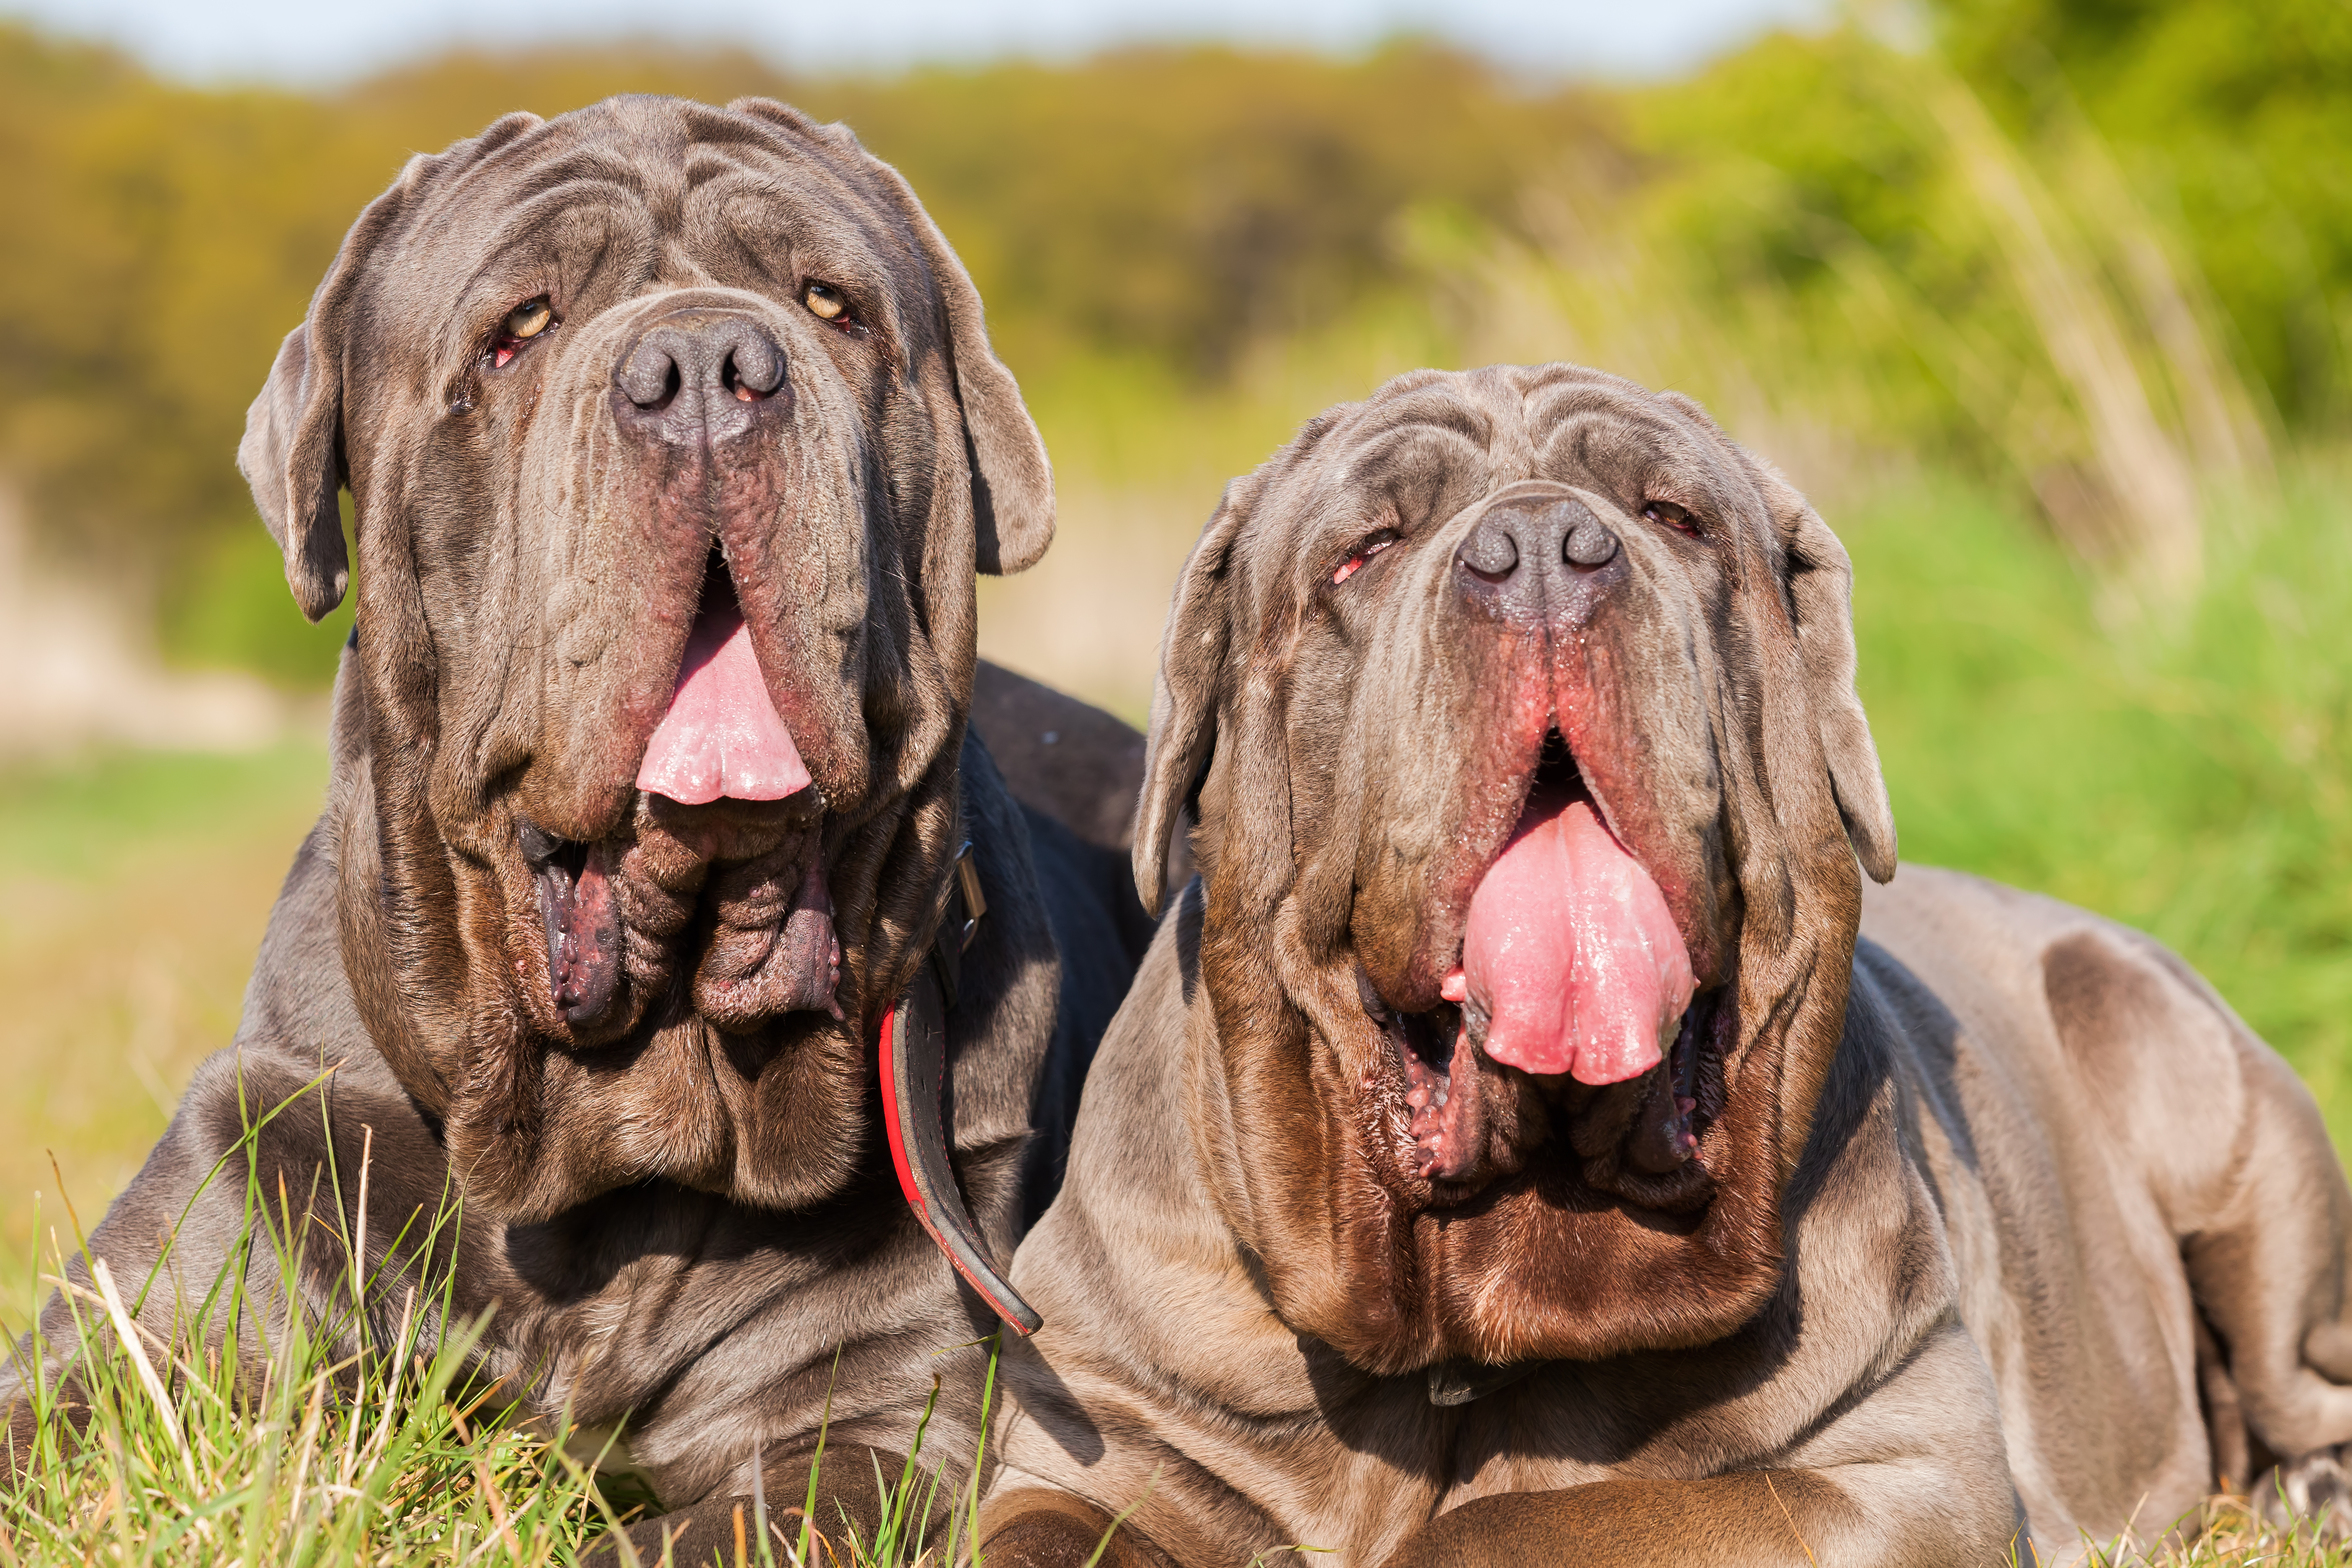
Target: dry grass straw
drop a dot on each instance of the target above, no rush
(2227, 1533)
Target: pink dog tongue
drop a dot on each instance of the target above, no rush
(722, 735)
(1571, 951)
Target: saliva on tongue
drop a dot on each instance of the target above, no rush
(1570, 950)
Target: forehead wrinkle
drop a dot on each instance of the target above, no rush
(1555, 404)
(767, 163)
(817, 223)
(1373, 459)
(521, 161)
(706, 162)
(1441, 406)
(1538, 381)
(527, 224)
(1625, 442)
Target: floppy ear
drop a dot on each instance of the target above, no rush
(292, 454)
(1821, 585)
(1184, 693)
(1012, 482)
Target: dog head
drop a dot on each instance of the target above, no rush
(673, 440)
(1517, 710)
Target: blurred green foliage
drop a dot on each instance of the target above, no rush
(2235, 121)
(2190, 776)
(1154, 211)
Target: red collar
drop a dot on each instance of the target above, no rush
(913, 1052)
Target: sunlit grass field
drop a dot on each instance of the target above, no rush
(133, 891)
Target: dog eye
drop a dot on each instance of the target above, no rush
(531, 318)
(525, 320)
(825, 301)
(1672, 516)
(1372, 545)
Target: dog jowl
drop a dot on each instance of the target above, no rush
(674, 441)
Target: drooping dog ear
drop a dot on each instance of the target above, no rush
(1185, 692)
(292, 454)
(1012, 482)
(1821, 585)
(292, 457)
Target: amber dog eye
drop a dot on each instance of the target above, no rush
(1676, 518)
(525, 320)
(825, 301)
(531, 318)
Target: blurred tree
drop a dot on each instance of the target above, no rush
(1171, 208)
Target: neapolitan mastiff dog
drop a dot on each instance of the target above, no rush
(1526, 1143)
(674, 440)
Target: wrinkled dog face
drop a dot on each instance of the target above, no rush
(1517, 694)
(656, 419)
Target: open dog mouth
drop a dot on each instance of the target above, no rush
(723, 845)
(1571, 961)
(1574, 1008)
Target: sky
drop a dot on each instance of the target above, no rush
(316, 41)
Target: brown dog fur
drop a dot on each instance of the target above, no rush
(1974, 1174)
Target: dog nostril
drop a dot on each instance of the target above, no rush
(755, 366)
(1490, 553)
(1589, 544)
(648, 376)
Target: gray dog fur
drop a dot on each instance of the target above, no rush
(685, 1227)
(1999, 1220)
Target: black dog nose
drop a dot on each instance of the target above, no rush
(695, 376)
(1536, 556)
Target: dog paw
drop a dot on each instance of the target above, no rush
(2311, 1494)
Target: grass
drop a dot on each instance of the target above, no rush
(133, 892)
(348, 1437)
(2188, 771)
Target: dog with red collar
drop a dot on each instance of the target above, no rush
(666, 910)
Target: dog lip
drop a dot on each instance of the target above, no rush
(581, 927)
(1437, 950)
(538, 846)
